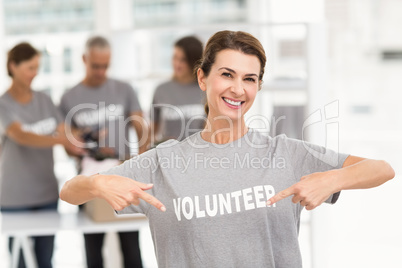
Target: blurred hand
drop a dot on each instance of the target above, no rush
(107, 151)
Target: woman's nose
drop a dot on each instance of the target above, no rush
(237, 88)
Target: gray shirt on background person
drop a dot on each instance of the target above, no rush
(215, 197)
(103, 111)
(26, 173)
(178, 109)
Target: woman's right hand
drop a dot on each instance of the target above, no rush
(121, 192)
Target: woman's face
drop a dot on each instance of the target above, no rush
(180, 66)
(25, 71)
(232, 84)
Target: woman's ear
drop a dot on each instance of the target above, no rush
(12, 66)
(201, 79)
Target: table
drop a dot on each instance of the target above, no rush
(22, 225)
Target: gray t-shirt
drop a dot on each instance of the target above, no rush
(178, 109)
(26, 173)
(103, 111)
(215, 196)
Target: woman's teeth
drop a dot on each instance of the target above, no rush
(235, 103)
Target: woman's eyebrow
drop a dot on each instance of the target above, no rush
(233, 71)
(227, 69)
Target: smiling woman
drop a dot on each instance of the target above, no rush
(215, 211)
(233, 41)
(230, 91)
(30, 125)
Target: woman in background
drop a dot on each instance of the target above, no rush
(30, 125)
(177, 107)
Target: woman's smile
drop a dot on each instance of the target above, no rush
(232, 103)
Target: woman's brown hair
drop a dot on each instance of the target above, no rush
(192, 48)
(236, 40)
(19, 53)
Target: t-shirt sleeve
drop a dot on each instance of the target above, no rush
(63, 108)
(143, 168)
(132, 98)
(55, 111)
(307, 158)
(155, 109)
(6, 118)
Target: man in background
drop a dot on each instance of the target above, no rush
(102, 110)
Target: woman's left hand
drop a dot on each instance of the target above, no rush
(311, 191)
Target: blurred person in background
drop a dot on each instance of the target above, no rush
(177, 106)
(30, 125)
(103, 110)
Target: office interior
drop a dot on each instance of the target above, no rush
(333, 70)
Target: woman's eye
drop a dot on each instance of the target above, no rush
(249, 79)
(227, 74)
